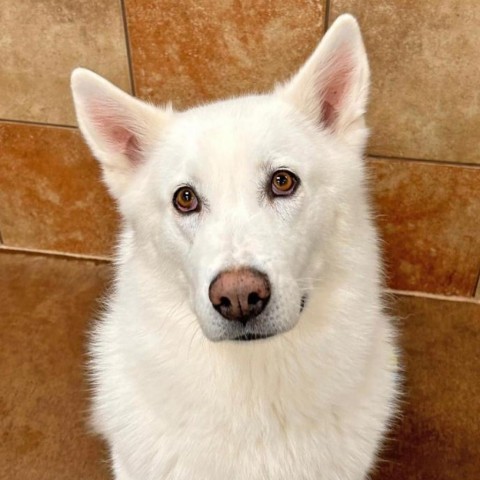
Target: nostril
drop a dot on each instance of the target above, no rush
(225, 302)
(253, 298)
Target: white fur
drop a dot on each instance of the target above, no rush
(312, 402)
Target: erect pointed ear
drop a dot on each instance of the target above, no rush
(118, 128)
(332, 86)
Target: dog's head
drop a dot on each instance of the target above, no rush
(241, 201)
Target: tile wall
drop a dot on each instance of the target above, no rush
(57, 223)
(424, 151)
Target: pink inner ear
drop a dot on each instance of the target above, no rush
(115, 129)
(335, 81)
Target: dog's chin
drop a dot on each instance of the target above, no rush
(249, 337)
(240, 334)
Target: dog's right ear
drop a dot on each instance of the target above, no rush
(119, 128)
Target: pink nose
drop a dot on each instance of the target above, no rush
(240, 294)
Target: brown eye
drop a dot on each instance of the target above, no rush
(283, 183)
(185, 200)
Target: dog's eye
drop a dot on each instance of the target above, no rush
(185, 200)
(283, 183)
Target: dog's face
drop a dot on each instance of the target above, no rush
(242, 199)
(231, 186)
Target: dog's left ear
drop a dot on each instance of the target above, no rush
(332, 86)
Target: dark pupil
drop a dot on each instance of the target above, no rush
(187, 196)
(281, 180)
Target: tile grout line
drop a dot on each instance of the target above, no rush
(476, 290)
(433, 296)
(445, 163)
(327, 15)
(128, 46)
(52, 253)
(37, 124)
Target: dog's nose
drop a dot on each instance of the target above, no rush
(240, 294)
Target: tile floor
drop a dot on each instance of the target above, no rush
(46, 306)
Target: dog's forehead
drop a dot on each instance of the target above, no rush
(236, 132)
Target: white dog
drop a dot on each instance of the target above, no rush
(245, 337)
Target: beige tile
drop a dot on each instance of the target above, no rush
(426, 68)
(199, 50)
(437, 434)
(42, 41)
(428, 214)
(51, 195)
(46, 308)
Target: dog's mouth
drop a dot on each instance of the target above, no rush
(250, 336)
(247, 337)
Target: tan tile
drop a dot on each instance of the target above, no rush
(51, 195)
(46, 307)
(198, 50)
(437, 434)
(428, 214)
(43, 392)
(40, 44)
(425, 64)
